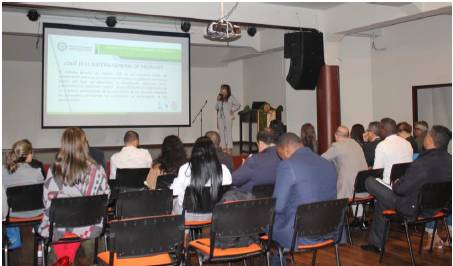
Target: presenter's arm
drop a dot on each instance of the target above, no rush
(235, 105)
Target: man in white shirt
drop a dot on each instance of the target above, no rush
(392, 150)
(130, 155)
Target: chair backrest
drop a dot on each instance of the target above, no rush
(398, 170)
(204, 202)
(131, 177)
(145, 236)
(263, 191)
(165, 181)
(242, 218)
(77, 211)
(359, 184)
(434, 196)
(144, 203)
(319, 219)
(25, 198)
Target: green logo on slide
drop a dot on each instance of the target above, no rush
(62, 46)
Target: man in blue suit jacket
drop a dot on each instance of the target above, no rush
(260, 168)
(302, 177)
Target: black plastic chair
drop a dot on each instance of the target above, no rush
(323, 220)
(204, 205)
(144, 203)
(231, 221)
(165, 181)
(263, 191)
(132, 178)
(359, 187)
(25, 198)
(398, 170)
(434, 200)
(74, 212)
(145, 241)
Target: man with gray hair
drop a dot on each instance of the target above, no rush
(420, 131)
(371, 139)
(224, 158)
(349, 159)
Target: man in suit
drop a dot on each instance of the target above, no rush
(224, 158)
(349, 159)
(432, 166)
(260, 168)
(302, 177)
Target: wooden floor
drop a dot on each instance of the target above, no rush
(397, 253)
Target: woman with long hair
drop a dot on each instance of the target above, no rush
(73, 174)
(357, 131)
(172, 156)
(203, 169)
(226, 106)
(308, 137)
(17, 171)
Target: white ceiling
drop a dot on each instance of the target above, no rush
(311, 5)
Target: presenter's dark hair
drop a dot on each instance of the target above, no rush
(205, 167)
(441, 136)
(72, 160)
(357, 131)
(172, 155)
(228, 89)
(130, 136)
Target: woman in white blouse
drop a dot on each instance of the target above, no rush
(203, 169)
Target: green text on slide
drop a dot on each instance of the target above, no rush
(141, 53)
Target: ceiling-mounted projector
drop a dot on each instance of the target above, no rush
(222, 31)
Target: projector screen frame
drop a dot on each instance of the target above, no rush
(118, 30)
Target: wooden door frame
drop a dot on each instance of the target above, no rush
(415, 90)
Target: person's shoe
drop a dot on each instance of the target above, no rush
(371, 247)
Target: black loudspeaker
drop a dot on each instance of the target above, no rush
(306, 51)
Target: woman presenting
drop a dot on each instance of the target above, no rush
(226, 106)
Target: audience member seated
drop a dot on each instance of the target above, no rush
(349, 159)
(73, 174)
(357, 131)
(130, 155)
(392, 150)
(277, 128)
(260, 168)
(302, 177)
(172, 156)
(371, 139)
(224, 157)
(203, 169)
(97, 155)
(420, 131)
(405, 131)
(17, 171)
(308, 137)
(433, 165)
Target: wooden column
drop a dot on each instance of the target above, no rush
(328, 105)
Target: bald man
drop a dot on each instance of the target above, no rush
(349, 159)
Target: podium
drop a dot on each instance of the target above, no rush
(260, 114)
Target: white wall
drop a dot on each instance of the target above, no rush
(355, 81)
(417, 53)
(264, 79)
